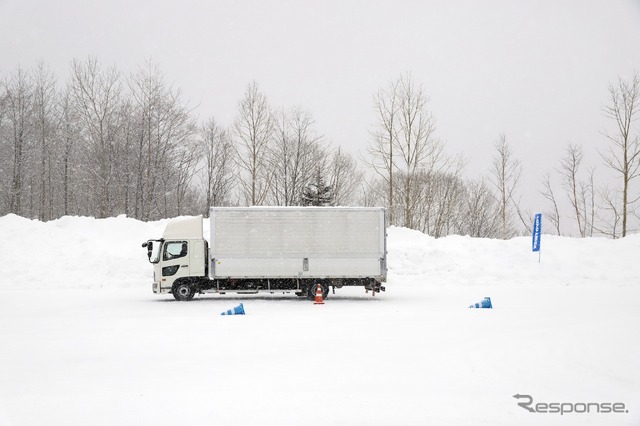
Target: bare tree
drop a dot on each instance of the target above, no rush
(554, 215)
(569, 169)
(97, 95)
(185, 168)
(480, 216)
(295, 147)
(623, 155)
(217, 149)
(69, 134)
(174, 132)
(149, 91)
(445, 194)
(417, 148)
(45, 127)
(253, 128)
(165, 144)
(19, 112)
(609, 225)
(344, 178)
(588, 194)
(506, 174)
(4, 149)
(386, 105)
(127, 166)
(419, 181)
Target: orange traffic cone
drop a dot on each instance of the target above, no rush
(318, 300)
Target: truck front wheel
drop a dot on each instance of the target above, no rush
(183, 291)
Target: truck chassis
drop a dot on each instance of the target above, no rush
(186, 288)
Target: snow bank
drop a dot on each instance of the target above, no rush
(75, 252)
(481, 261)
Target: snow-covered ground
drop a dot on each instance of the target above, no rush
(84, 341)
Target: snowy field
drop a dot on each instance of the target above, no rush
(84, 341)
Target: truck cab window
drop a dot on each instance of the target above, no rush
(174, 250)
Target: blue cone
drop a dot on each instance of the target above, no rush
(485, 303)
(238, 310)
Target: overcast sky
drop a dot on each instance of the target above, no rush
(537, 71)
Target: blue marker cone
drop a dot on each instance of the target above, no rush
(485, 303)
(238, 310)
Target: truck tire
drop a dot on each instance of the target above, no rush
(311, 290)
(183, 291)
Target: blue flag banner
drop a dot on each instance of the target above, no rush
(537, 228)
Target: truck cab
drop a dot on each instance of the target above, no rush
(180, 253)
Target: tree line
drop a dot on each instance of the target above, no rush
(104, 143)
(423, 188)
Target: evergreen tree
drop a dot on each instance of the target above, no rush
(317, 193)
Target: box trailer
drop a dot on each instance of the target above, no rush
(272, 249)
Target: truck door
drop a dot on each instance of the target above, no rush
(175, 262)
(198, 258)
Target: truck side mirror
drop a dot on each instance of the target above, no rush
(149, 246)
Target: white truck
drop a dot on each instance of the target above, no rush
(272, 249)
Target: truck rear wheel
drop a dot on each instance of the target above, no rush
(183, 291)
(311, 290)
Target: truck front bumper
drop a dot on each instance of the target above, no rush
(158, 289)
